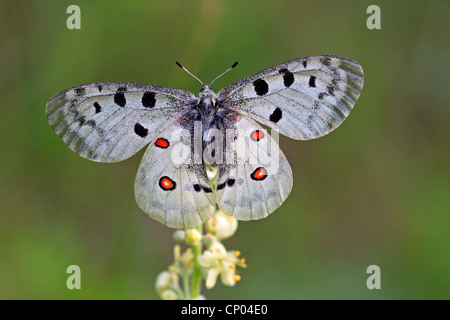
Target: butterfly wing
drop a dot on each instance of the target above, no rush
(109, 122)
(172, 185)
(255, 177)
(302, 99)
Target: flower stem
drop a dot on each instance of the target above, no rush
(196, 284)
(186, 285)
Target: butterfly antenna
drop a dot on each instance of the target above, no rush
(234, 65)
(179, 64)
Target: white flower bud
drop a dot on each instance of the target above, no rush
(221, 225)
(193, 236)
(179, 235)
(169, 295)
(187, 258)
(208, 239)
(166, 280)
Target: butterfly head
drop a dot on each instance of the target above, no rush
(207, 107)
(207, 92)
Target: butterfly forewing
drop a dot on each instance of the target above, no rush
(302, 99)
(109, 122)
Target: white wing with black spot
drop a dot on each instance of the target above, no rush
(302, 99)
(256, 177)
(172, 185)
(109, 122)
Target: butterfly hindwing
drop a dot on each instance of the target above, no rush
(256, 177)
(302, 99)
(109, 122)
(171, 186)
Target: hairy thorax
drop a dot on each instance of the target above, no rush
(208, 107)
(215, 120)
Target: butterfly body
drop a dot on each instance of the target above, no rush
(213, 118)
(208, 107)
(302, 99)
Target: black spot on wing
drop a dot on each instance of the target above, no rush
(97, 107)
(261, 87)
(221, 186)
(206, 189)
(140, 130)
(326, 61)
(276, 115)
(231, 182)
(305, 63)
(90, 123)
(148, 99)
(288, 77)
(197, 187)
(312, 81)
(119, 99)
(80, 91)
(100, 88)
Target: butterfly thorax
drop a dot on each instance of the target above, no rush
(208, 110)
(207, 107)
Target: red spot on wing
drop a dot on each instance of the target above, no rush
(234, 117)
(162, 143)
(167, 184)
(257, 135)
(259, 174)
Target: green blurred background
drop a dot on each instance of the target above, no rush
(375, 191)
